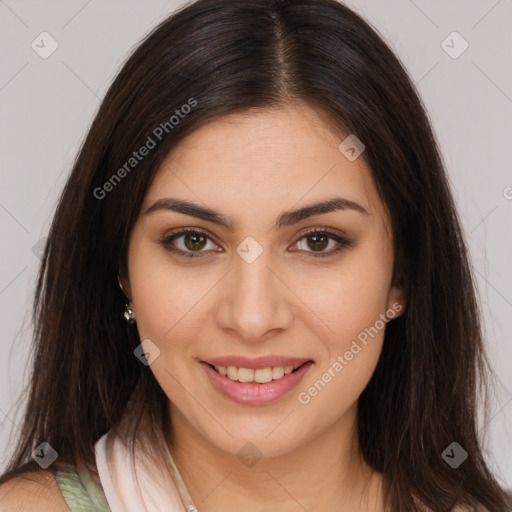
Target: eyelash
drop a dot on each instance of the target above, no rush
(343, 243)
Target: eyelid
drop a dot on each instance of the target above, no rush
(179, 232)
(322, 229)
(341, 239)
(334, 234)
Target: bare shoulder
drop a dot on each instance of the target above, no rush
(37, 490)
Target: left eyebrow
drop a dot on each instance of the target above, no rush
(285, 219)
(331, 205)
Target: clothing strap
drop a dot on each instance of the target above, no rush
(82, 491)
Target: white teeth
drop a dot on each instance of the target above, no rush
(232, 372)
(245, 375)
(277, 372)
(261, 375)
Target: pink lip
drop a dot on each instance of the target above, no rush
(256, 363)
(252, 393)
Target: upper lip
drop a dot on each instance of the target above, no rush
(256, 363)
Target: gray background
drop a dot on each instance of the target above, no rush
(48, 104)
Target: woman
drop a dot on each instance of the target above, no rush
(255, 293)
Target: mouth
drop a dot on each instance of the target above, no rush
(256, 386)
(257, 375)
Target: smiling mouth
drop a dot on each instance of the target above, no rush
(258, 376)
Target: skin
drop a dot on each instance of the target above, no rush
(253, 167)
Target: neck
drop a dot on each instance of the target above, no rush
(326, 472)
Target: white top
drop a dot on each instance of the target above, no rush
(131, 486)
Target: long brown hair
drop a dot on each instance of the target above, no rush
(223, 57)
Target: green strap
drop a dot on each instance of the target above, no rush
(82, 492)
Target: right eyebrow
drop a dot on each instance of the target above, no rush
(285, 219)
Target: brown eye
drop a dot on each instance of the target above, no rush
(189, 242)
(317, 241)
(194, 242)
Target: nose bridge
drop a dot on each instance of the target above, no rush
(252, 282)
(255, 301)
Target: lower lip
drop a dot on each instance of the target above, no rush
(252, 393)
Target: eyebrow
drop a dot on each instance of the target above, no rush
(285, 219)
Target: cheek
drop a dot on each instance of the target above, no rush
(350, 350)
(164, 306)
(350, 300)
(352, 305)
(355, 334)
(169, 297)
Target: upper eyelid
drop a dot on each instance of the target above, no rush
(184, 231)
(307, 231)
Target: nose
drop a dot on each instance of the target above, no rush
(255, 303)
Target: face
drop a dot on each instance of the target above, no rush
(256, 285)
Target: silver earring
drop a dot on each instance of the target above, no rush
(129, 314)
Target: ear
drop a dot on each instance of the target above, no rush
(397, 299)
(124, 284)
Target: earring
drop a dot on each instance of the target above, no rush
(129, 314)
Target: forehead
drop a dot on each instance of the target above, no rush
(262, 160)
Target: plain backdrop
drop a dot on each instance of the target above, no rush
(48, 104)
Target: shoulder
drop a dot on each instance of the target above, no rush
(36, 490)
